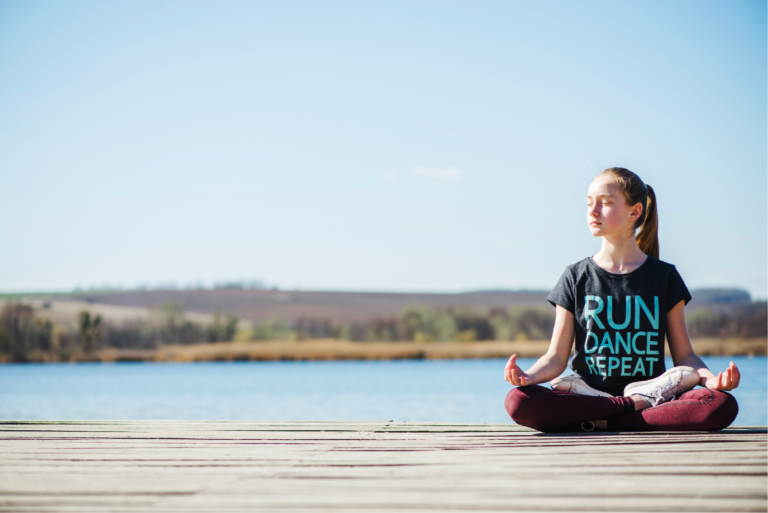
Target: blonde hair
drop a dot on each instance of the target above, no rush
(636, 191)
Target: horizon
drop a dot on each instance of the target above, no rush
(231, 286)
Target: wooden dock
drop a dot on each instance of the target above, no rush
(174, 466)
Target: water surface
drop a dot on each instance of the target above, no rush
(441, 391)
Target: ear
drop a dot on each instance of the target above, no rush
(637, 210)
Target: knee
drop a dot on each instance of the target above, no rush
(517, 404)
(726, 409)
(718, 409)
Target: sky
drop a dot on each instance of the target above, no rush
(384, 145)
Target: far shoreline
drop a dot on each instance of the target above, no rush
(341, 350)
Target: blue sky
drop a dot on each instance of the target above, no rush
(437, 146)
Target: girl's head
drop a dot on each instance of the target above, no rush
(619, 203)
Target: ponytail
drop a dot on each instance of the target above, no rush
(635, 191)
(648, 238)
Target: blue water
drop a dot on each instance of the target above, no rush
(441, 391)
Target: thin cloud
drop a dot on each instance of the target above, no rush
(442, 174)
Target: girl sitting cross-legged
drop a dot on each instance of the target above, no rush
(619, 306)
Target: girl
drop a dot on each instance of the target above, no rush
(619, 305)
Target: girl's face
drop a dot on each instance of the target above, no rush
(608, 212)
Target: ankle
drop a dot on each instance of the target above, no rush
(640, 403)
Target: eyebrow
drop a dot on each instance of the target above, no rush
(601, 196)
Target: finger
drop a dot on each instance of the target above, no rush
(728, 378)
(720, 383)
(510, 368)
(515, 377)
(736, 376)
(513, 362)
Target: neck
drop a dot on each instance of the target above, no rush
(620, 253)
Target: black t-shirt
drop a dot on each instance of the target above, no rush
(621, 320)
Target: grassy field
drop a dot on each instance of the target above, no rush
(345, 350)
(290, 305)
(255, 305)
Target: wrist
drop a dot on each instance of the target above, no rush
(703, 381)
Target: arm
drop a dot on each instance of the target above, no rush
(682, 353)
(553, 363)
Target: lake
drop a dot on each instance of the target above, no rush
(416, 390)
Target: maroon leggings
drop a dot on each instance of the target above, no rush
(552, 411)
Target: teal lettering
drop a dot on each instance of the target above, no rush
(627, 316)
(626, 361)
(640, 304)
(649, 343)
(606, 343)
(600, 365)
(639, 368)
(611, 361)
(588, 312)
(650, 364)
(634, 342)
(586, 343)
(591, 365)
(620, 340)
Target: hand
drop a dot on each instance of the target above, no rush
(727, 380)
(514, 374)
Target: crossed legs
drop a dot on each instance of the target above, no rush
(552, 411)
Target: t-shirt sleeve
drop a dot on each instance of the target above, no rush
(676, 290)
(564, 294)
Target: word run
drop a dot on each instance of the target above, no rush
(639, 345)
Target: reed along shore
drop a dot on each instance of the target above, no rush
(332, 349)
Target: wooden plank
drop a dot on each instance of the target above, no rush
(373, 466)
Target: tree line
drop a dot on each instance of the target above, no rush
(419, 324)
(26, 337)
